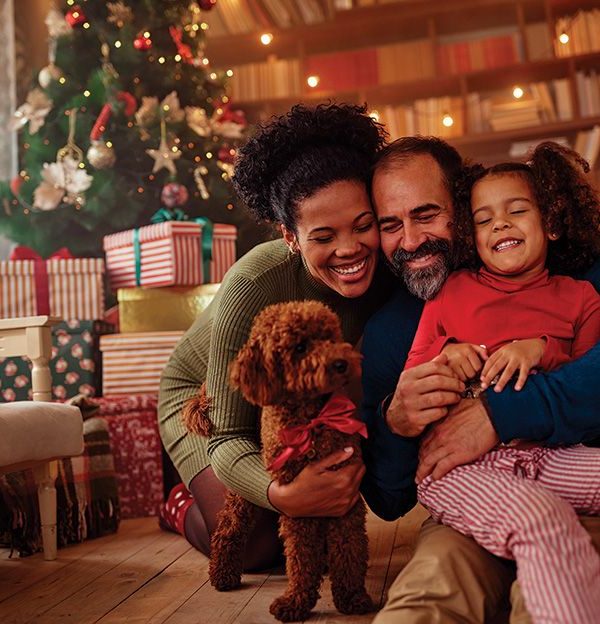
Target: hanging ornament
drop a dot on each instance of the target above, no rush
(66, 179)
(101, 155)
(198, 120)
(34, 111)
(229, 123)
(206, 5)
(199, 173)
(174, 194)
(171, 110)
(15, 185)
(56, 24)
(119, 14)
(226, 154)
(75, 16)
(142, 42)
(164, 156)
(50, 73)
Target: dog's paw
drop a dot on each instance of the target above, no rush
(354, 604)
(224, 580)
(288, 608)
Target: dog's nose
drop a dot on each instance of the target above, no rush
(339, 366)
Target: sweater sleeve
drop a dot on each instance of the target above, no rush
(431, 336)
(234, 449)
(391, 460)
(587, 329)
(558, 407)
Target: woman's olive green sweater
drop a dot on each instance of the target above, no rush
(268, 274)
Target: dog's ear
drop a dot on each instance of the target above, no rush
(256, 375)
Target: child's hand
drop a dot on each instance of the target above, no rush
(465, 359)
(521, 355)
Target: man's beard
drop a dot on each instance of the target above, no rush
(427, 282)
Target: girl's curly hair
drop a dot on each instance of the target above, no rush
(294, 155)
(569, 205)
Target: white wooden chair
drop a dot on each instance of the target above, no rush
(35, 434)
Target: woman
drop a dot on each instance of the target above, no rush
(306, 171)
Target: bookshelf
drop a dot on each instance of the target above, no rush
(417, 62)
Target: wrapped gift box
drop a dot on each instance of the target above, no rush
(136, 447)
(76, 363)
(162, 309)
(132, 363)
(64, 287)
(168, 254)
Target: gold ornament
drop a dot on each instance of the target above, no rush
(164, 156)
(101, 155)
(49, 74)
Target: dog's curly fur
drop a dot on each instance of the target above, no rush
(294, 358)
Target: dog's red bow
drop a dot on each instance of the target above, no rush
(336, 414)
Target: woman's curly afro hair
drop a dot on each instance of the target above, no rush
(294, 155)
(569, 205)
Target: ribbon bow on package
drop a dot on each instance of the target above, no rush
(336, 414)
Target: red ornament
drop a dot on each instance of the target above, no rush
(226, 154)
(75, 16)
(206, 5)
(235, 115)
(143, 43)
(174, 194)
(15, 185)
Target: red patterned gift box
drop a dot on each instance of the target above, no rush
(132, 363)
(135, 444)
(169, 254)
(60, 286)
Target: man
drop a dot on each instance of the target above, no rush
(450, 578)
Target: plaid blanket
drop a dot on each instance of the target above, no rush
(86, 488)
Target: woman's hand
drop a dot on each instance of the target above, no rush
(319, 491)
(465, 359)
(520, 355)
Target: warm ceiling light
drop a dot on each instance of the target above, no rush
(518, 92)
(374, 115)
(312, 81)
(447, 120)
(266, 38)
(563, 38)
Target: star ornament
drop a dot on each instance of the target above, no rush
(164, 157)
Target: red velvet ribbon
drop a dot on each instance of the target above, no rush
(336, 414)
(40, 273)
(183, 48)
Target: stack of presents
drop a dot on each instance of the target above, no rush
(109, 363)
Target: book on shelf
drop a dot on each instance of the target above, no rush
(583, 30)
(588, 92)
(587, 145)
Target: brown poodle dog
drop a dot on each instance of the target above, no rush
(293, 360)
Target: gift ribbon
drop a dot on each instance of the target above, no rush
(206, 245)
(336, 414)
(40, 272)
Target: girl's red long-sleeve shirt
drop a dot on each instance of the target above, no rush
(486, 309)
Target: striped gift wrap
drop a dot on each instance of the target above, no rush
(170, 254)
(75, 288)
(133, 363)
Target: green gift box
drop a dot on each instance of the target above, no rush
(76, 363)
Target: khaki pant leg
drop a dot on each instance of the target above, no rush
(449, 580)
(519, 614)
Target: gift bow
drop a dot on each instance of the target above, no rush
(336, 414)
(40, 272)
(164, 214)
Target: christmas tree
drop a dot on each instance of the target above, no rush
(127, 118)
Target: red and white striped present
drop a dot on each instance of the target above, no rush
(65, 287)
(167, 254)
(133, 363)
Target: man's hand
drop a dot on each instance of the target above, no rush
(462, 437)
(520, 355)
(422, 396)
(465, 359)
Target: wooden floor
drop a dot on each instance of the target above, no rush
(142, 574)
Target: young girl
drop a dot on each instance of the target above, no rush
(507, 315)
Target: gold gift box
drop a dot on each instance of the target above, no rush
(162, 309)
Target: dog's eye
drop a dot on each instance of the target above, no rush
(300, 348)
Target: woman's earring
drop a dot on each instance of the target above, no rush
(553, 236)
